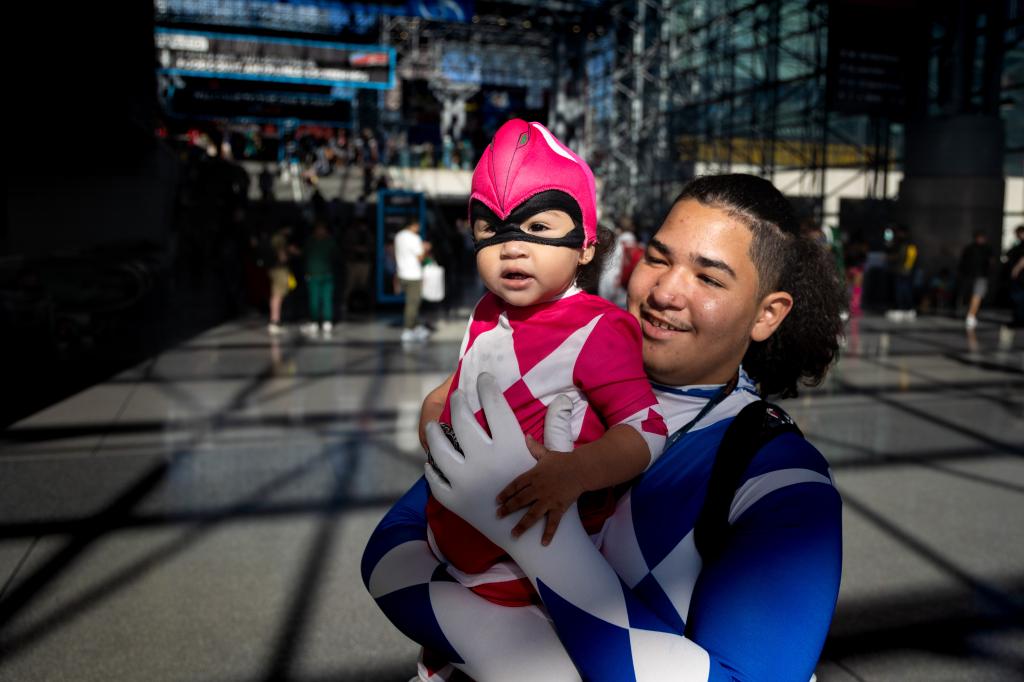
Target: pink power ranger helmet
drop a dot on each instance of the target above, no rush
(525, 159)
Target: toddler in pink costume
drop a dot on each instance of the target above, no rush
(533, 210)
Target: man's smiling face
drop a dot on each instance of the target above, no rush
(695, 295)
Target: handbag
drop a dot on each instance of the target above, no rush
(433, 282)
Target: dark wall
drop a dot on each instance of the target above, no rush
(85, 167)
(953, 184)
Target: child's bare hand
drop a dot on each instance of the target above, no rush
(548, 488)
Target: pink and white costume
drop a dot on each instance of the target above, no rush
(579, 345)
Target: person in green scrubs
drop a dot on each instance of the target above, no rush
(321, 254)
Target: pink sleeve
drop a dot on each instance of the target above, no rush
(610, 372)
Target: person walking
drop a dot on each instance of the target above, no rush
(975, 265)
(410, 252)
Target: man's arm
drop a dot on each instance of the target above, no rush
(762, 608)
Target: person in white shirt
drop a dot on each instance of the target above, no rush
(410, 252)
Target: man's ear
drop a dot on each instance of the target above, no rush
(771, 312)
(587, 254)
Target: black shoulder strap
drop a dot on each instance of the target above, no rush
(755, 425)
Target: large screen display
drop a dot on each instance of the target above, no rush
(242, 101)
(288, 60)
(306, 16)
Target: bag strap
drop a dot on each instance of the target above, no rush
(754, 426)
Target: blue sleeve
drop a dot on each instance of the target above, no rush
(763, 608)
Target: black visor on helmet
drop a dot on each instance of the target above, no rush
(511, 228)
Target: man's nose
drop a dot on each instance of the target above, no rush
(669, 290)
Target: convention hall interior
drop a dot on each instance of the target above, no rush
(197, 439)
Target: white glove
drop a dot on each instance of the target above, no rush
(469, 485)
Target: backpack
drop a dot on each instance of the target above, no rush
(751, 429)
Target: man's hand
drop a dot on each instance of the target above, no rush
(548, 488)
(468, 484)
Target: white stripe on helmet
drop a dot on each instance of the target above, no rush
(553, 143)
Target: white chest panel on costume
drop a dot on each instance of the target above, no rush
(676, 574)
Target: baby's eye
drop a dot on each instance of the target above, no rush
(537, 227)
(482, 229)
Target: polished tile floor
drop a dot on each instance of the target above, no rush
(201, 517)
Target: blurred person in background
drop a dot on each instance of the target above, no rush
(903, 261)
(370, 156)
(321, 253)
(410, 252)
(857, 253)
(622, 258)
(975, 267)
(1015, 263)
(280, 274)
(608, 282)
(358, 246)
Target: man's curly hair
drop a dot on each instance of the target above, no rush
(804, 346)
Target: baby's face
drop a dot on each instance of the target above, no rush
(525, 273)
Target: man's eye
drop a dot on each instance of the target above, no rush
(653, 259)
(711, 281)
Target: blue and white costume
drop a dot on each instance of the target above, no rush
(640, 604)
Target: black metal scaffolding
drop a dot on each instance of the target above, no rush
(699, 86)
